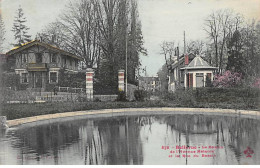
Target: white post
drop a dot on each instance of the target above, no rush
(121, 80)
(89, 83)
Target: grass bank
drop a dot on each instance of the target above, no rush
(15, 111)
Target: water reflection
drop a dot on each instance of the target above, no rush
(132, 140)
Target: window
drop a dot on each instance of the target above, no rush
(53, 77)
(38, 57)
(24, 57)
(53, 58)
(24, 78)
(70, 62)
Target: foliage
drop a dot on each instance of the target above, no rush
(68, 79)
(15, 111)
(208, 82)
(98, 32)
(227, 98)
(181, 97)
(256, 83)
(228, 79)
(236, 98)
(163, 76)
(140, 95)
(235, 58)
(10, 80)
(20, 29)
(121, 96)
(11, 95)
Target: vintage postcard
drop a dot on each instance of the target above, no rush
(129, 82)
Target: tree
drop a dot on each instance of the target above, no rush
(119, 27)
(20, 29)
(163, 76)
(168, 51)
(235, 49)
(195, 47)
(135, 43)
(220, 26)
(76, 31)
(2, 34)
(98, 31)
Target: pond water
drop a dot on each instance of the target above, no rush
(150, 139)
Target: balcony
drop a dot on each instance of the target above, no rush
(53, 65)
(37, 67)
(21, 66)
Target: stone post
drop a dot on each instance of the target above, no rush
(3, 124)
(89, 84)
(121, 80)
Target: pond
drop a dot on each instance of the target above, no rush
(149, 139)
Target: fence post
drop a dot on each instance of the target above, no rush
(89, 83)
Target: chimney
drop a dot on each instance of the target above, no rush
(186, 59)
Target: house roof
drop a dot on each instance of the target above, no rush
(181, 60)
(36, 42)
(198, 63)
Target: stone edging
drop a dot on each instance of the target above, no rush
(16, 122)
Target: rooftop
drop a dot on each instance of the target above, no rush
(198, 63)
(36, 42)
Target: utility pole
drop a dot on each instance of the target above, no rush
(184, 44)
(126, 62)
(178, 66)
(126, 43)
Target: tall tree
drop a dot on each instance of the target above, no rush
(76, 31)
(236, 60)
(2, 34)
(98, 31)
(20, 29)
(220, 27)
(135, 43)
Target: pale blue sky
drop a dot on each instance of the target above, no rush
(162, 20)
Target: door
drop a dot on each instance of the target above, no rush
(199, 80)
(38, 79)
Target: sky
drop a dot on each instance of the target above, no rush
(162, 20)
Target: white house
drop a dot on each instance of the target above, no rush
(196, 73)
(176, 76)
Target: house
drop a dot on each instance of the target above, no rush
(38, 64)
(176, 76)
(197, 73)
(151, 84)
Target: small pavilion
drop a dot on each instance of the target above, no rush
(197, 72)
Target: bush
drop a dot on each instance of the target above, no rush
(121, 96)
(256, 83)
(182, 97)
(227, 80)
(140, 95)
(243, 98)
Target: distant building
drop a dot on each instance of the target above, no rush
(152, 84)
(38, 63)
